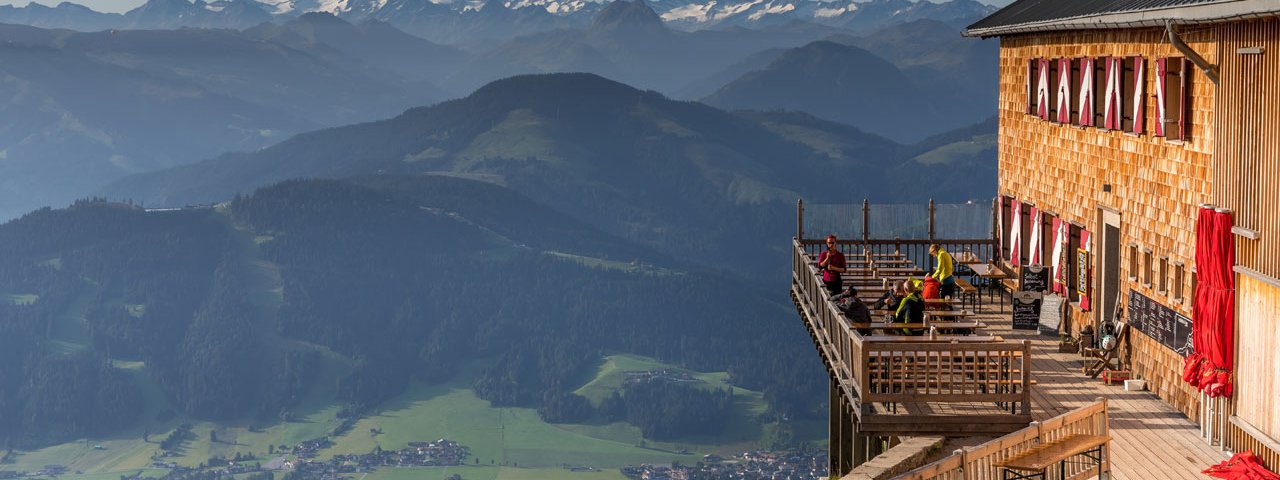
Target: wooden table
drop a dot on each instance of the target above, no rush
(946, 315)
(991, 275)
(940, 339)
(917, 326)
(1035, 462)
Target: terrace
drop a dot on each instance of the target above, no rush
(992, 381)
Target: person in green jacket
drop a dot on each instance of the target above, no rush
(911, 309)
(945, 271)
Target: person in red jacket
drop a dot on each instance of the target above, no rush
(831, 263)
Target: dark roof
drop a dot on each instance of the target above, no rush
(1048, 15)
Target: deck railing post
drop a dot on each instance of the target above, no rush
(964, 462)
(1026, 377)
(800, 219)
(866, 223)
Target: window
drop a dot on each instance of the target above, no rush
(1024, 237)
(1146, 267)
(1178, 277)
(1047, 237)
(1162, 280)
(1131, 110)
(1031, 86)
(1072, 77)
(1099, 90)
(1005, 222)
(1052, 98)
(1133, 262)
(1173, 87)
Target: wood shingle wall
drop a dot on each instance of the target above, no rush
(1156, 184)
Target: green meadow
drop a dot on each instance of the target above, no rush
(506, 443)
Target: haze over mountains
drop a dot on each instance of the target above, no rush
(90, 108)
(481, 21)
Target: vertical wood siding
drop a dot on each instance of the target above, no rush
(1258, 364)
(1247, 161)
(1156, 184)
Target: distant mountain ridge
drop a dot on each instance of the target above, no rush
(923, 79)
(497, 20)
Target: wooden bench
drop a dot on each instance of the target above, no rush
(967, 292)
(1035, 463)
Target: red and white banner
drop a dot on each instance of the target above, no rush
(1086, 92)
(1033, 256)
(1015, 232)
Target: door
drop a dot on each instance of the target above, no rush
(1109, 290)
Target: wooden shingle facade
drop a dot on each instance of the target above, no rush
(1188, 102)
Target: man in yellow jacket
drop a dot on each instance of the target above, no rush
(945, 271)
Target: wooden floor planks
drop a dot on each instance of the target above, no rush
(1150, 440)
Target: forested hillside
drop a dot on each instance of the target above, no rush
(400, 277)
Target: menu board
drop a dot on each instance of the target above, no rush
(1162, 323)
(1035, 278)
(1082, 271)
(1026, 310)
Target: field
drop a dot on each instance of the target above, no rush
(506, 443)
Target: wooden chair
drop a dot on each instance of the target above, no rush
(1111, 358)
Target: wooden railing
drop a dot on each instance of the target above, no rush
(977, 463)
(886, 371)
(915, 250)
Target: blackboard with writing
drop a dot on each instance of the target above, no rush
(1035, 278)
(1026, 310)
(1162, 323)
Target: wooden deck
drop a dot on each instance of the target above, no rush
(1150, 439)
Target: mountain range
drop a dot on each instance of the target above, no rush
(493, 21)
(630, 162)
(935, 82)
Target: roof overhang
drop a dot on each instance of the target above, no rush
(1216, 12)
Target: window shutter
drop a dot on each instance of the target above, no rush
(1100, 90)
(1161, 73)
(1138, 112)
(1042, 89)
(1086, 102)
(1184, 101)
(1064, 90)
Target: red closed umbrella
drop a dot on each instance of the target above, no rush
(1213, 310)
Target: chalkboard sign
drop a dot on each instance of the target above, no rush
(1051, 314)
(1162, 323)
(1026, 310)
(1035, 278)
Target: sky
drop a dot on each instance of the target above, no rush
(121, 6)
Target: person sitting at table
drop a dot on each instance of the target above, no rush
(945, 271)
(890, 299)
(911, 309)
(852, 306)
(831, 263)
